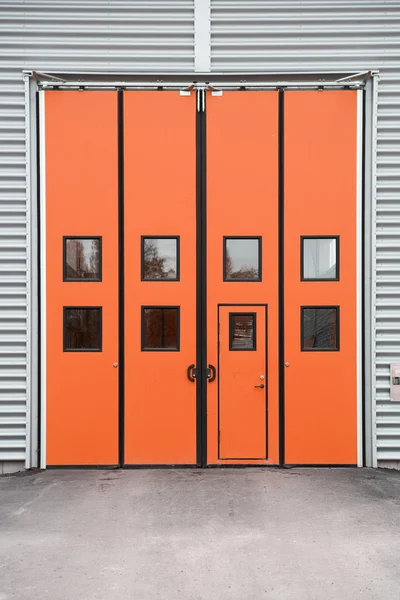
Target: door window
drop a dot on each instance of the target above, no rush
(319, 328)
(160, 328)
(242, 331)
(242, 258)
(320, 258)
(82, 329)
(160, 258)
(82, 258)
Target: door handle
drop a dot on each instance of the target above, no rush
(262, 386)
(191, 373)
(211, 373)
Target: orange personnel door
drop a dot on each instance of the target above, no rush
(242, 272)
(242, 382)
(320, 277)
(160, 277)
(81, 275)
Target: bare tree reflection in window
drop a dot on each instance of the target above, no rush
(242, 259)
(83, 258)
(82, 328)
(160, 328)
(160, 258)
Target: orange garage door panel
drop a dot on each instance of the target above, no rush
(81, 277)
(160, 277)
(320, 294)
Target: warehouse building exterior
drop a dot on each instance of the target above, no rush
(200, 233)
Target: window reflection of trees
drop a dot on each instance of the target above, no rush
(82, 329)
(244, 272)
(155, 266)
(83, 259)
(160, 328)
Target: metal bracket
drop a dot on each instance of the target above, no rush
(364, 75)
(187, 90)
(40, 75)
(214, 91)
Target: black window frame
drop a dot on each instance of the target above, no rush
(242, 237)
(316, 306)
(320, 237)
(243, 314)
(67, 279)
(178, 328)
(178, 254)
(65, 309)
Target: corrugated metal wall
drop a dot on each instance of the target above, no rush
(61, 35)
(349, 36)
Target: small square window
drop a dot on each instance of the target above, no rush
(160, 328)
(82, 329)
(160, 258)
(82, 258)
(242, 258)
(320, 258)
(319, 328)
(242, 331)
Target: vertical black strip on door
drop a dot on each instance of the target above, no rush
(201, 284)
(121, 285)
(281, 284)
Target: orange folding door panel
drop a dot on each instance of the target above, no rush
(81, 274)
(320, 277)
(242, 251)
(160, 277)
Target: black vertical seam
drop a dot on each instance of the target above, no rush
(204, 279)
(362, 216)
(201, 292)
(39, 272)
(121, 285)
(199, 285)
(281, 282)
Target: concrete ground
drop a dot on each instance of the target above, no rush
(237, 534)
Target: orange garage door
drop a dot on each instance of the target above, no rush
(201, 277)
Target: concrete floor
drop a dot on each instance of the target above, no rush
(230, 534)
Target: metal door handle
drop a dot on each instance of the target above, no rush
(211, 373)
(262, 386)
(191, 373)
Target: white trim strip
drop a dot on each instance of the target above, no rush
(359, 182)
(202, 36)
(28, 272)
(373, 265)
(43, 277)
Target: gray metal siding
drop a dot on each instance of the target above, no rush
(61, 35)
(348, 36)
